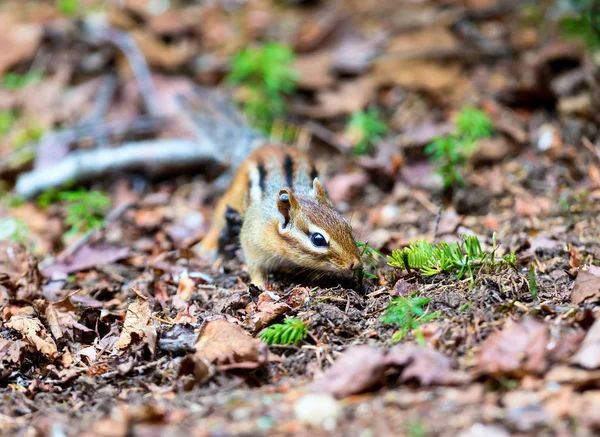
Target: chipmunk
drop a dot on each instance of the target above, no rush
(288, 222)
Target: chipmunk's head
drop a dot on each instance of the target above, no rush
(314, 234)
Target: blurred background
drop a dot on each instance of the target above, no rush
(380, 88)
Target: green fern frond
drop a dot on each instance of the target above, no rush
(291, 331)
(458, 257)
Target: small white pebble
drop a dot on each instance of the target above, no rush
(318, 409)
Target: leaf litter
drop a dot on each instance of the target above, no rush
(125, 331)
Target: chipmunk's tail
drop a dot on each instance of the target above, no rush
(219, 125)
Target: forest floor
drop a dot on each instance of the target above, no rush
(125, 331)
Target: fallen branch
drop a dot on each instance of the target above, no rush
(149, 157)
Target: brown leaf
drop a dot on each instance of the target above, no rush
(86, 258)
(345, 187)
(223, 342)
(314, 70)
(138, 322)
(33, 332)
(518, 349)
(185, 289)
(574, 257)
(52, 317)
(424, 364)
(22, 39)
(13, 260)
(12, 351)
(349, 97)
(586, 288)
(357, 370)
(267, 312)
(416, 74)
(588, 355)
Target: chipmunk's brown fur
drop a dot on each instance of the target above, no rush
(284, 206)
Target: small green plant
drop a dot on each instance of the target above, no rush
(408, 314)
(458, 257)
(15, 81)
(85, 209)
(13, 229)
(370, 257)
(266, 76)
(450, 153)
(291, 331)
(582, 21)
(68, 7)
(7, 121)
(365, 128)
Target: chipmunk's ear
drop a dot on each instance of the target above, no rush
(288, 205)
(319, 191)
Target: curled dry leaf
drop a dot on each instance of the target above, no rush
(223, 342)
(518, 349)
(357, 370)
(587, 286)
(138, 323)
(267, 312)
(33, 332)
(588, 355)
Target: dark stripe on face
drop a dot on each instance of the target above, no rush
(288, 167)
(313, 173)
(262, 174)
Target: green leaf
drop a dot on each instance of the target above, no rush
(291, 331)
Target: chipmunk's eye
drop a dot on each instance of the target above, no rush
(318, 240)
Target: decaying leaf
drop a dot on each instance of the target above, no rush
(86, 258)
(138, 323)
(34, 332)
(267, 312)
(357, 370)
(588, 355)
(223, 342)
(424, 364)
(587, 287)
(518, 349)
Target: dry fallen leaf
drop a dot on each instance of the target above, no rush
(267, 312)
(33, 332)
(185, 289)
(23, 40)
(424, 364)
(349, 97)
(586, 288)
(518, 349)
(588, 355)
(223, 342)
(357, 370)
(314, 70)
(86, 258)
(138, 323)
